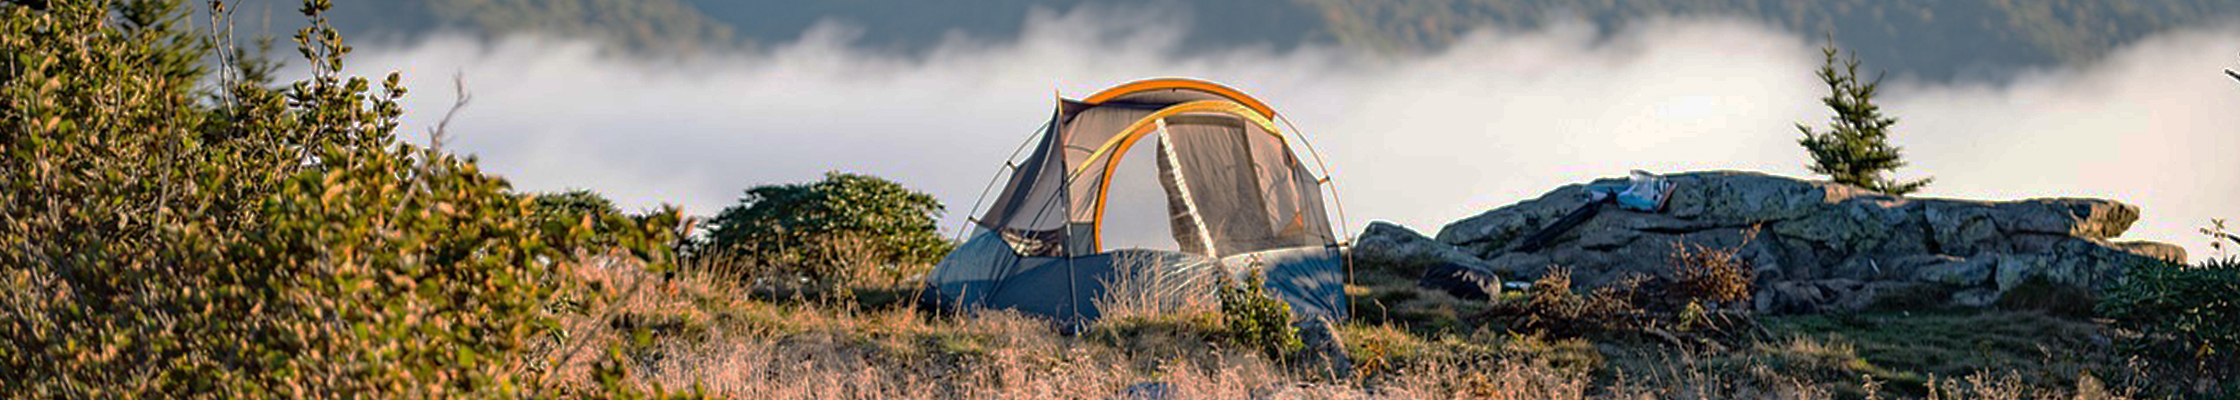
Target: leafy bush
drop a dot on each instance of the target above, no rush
(572, 205)
(163, 240)
(1255, 319)
(832, 232)
(2183, 309)
(589, 219)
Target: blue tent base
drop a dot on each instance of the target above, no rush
(1065, 289)
(1311, 279)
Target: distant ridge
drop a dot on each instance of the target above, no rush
(1937, 40)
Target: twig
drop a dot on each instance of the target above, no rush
(442, 130)
(221, 36)
(2234, 75)
(436, 136)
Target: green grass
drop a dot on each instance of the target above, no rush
(1392, 298)
(1909, 348)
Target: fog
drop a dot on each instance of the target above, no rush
(1500, 117)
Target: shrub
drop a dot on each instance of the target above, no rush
(1554, 308)
(163, 240)
(1680, 309)
(572, 205)
(832, 232)
(2183, 309)
(1256, 320)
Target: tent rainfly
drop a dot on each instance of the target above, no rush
(1238, 200)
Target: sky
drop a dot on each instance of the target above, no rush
(1421, 140)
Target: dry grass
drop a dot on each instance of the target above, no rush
(694, 328)
(1140, 288)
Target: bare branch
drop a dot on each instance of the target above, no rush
(442, 130)
(221, 38)
(2234, 75)
(440, 133)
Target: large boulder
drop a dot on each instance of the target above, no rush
(1442, 266)
(1821, 245)
(1384, 243)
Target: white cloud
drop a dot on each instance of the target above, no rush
(1501, 117)
(2154, 125)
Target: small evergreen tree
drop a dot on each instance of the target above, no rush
(1856, 149)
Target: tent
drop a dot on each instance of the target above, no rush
(1238, 198)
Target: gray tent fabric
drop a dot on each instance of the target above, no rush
(1188, 225)
(1238, 200)
(1030, 211)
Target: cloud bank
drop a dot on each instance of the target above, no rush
(1500, 117)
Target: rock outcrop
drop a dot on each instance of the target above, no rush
(1443, 267)
(1816, 245)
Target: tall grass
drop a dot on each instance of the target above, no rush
(1141, 287)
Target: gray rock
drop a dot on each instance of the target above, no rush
(1488, 233)
(2087, 263)
(1914, 264)
(1818, 245)
(2154, 250)
(2084, 218)
(1393, 246)
(1462, 282)
(1957, 272)
(1975, 297)
(1441, 266)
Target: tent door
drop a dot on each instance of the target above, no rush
(1182, 211)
